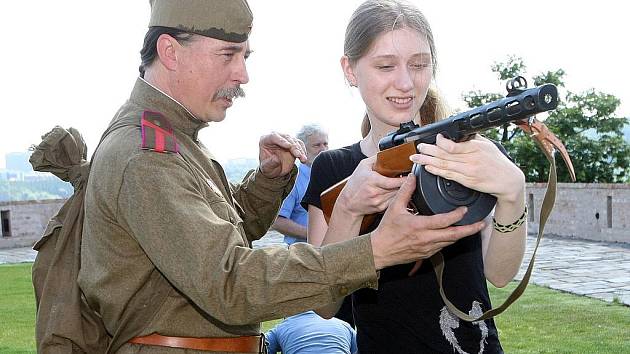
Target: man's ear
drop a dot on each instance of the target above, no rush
(348, 71)
(167, 48)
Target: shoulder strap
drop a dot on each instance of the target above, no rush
(549, 144)
(157, 133)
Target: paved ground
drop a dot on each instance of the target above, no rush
(17, 255)
(595, 269)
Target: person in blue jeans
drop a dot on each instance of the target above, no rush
(308, 333)
(292, 218)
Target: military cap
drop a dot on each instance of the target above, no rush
(228, 20)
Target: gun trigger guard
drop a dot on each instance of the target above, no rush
(412, 209)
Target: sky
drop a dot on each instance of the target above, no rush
(74, 62)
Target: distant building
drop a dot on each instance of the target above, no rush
(6, 175)
(38, 176)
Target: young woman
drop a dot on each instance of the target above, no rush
(389, 55)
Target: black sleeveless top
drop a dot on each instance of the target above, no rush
(406, 314)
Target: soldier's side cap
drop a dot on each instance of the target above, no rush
(227, 20)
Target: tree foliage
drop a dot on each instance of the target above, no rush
(586, 122)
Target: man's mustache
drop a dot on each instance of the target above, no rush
(230, 93)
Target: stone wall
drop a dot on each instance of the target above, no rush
(592, 211)
(26, 221)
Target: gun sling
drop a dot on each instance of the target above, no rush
(437, 260)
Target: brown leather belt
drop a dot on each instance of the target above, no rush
(246, 344)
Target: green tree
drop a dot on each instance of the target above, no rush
(586, 122)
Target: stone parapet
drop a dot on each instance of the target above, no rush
(23, 222)
(590, 211)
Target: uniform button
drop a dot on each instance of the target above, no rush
(343, 291)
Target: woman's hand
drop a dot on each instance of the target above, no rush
(477, 164)
(366, 191)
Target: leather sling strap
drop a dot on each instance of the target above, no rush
(245, 344)
(438, 259)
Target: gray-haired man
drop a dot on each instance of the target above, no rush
(292, 219)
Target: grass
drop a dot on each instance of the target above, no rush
(542, 321)
(17, 309)
(550, 321)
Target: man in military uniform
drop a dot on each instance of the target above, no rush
(166, 258)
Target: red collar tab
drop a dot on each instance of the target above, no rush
(157, 133)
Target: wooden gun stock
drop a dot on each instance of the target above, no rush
(392, 162)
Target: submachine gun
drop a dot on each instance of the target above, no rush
(434, 194)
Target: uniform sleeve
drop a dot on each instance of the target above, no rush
(260, 198)
(196, 240)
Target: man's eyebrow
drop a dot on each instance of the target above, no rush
(231, 48)
(236, 49)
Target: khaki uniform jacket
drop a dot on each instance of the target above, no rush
(166, 235)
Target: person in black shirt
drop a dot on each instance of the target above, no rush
(389, 55)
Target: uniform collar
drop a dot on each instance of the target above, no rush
(150, 97)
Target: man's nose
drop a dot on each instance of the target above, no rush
(240, 72)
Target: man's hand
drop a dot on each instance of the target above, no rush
(402, 237)
(278, 153)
